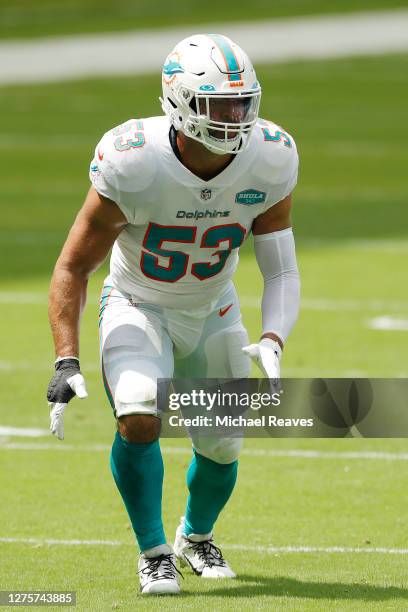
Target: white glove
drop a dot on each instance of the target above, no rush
(65, 384)
(266, 354)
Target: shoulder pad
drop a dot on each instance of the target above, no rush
(277, 159)
(125, 156)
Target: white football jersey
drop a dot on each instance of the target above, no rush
(180, 247)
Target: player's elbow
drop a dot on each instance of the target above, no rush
(73, 264)
(282, 274)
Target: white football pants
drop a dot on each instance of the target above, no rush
(141, 343)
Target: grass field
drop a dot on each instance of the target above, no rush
(348, 118)
(305, 502)
(26, 19)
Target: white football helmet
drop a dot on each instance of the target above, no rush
(211, 93)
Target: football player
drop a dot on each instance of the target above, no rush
(176, 196)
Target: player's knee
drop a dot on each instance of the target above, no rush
(135, 393)
(139, 428)
(220, 450)
(135, 406)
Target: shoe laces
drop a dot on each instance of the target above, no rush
(208, 552)
(160, 567)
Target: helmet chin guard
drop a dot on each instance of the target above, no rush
(211, 93)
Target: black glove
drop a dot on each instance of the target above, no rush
(59, 390)
(66, 382)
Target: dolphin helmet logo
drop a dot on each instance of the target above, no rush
(172, 67)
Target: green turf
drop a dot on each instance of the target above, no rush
(325, 503)
(351, 227)
(25, 18)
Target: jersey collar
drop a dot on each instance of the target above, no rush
(182, 174)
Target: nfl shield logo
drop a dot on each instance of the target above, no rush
(205, 194)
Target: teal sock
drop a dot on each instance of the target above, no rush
(210, 485)
(138, 473)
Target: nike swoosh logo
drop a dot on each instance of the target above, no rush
(100, 155)
(224, 311)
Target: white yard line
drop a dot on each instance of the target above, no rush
(383, 245)
(53, 542)
(12, 366)
(295, 372)
(184, 450)
(271, 550)
(246, 301)
(22, 297)
(26, 446)
(23, 432)
(323, 304)
(387, 323)
(307, 372)
(139, 52)
(315, 549)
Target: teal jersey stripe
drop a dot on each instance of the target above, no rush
(106, 293)
(229, 55)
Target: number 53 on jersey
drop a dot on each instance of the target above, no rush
(178, 261)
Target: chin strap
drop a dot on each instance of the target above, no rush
(173, 142)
